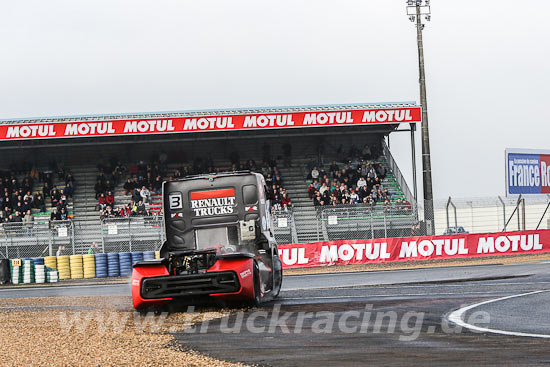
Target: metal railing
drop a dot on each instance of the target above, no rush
(284, 226)
(343, 222)
(132, 234)
(364, 221)
(19, 240)
(397, 173)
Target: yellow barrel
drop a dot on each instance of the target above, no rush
(77, 270)
(89, 266)
(63, 267)
(157, 254)
(51, 262)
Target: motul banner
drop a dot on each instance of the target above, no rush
(413, 248)
(211, 123)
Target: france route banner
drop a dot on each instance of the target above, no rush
(200, 122)
(527, 172)
(413, 248)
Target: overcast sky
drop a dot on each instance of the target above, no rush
(488, 73)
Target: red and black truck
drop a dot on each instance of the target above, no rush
(219, 244)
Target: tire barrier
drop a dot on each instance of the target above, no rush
(39, 273)
(51, 269)
(50, 262)
(52, 275)
(113, 269)
(77, 270)
(28, 271)
(89, 265)
(125, 263)
(101, 265)
(4, 271)
(63, 266)
(149, 255)
(136, 256)
(15, 274)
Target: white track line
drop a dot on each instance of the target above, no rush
(456, 317)
(386, 295)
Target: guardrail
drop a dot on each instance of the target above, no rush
(20, 240)
(132, 234)
(343, 222)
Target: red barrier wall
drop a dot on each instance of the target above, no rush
(413, 248)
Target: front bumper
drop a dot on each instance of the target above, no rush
(174, 286)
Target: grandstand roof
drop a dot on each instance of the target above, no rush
(209, 112)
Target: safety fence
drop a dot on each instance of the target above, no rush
(19, 240)
(132, 234)
(289, 226)
(491, 214)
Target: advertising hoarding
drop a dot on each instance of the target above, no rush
(527, 172)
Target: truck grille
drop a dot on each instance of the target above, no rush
(174, 286)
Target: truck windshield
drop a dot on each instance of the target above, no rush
(222, 239)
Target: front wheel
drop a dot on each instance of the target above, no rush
(257, 289)
(277, 276)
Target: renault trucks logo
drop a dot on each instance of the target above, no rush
(213, 202)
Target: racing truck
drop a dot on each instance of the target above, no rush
(219, 244)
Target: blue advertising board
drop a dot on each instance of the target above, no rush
(527, 172)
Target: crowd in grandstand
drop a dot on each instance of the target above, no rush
(143, 180)
(18, 201)
(361, 183)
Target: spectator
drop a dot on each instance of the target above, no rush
(311, 190)
(323, 188)
(28, 196)
(55, 215)
(26, 205)
(94, 248)
(157, 185)
(102, 201)
(128, 186)
(285, 201)
(125, 211)
(60, 251)
(5, 213)
(28, 218)
(145, 195)
(141, 208)
(381, 171)
(68, 190)
(134, 208)
(314, 175)
(110, 199)
(39, 203)
(354, 197)
(366, 152)
(136, 196)
(62, 203)
(372, 173)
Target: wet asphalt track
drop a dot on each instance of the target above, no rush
(432, 293)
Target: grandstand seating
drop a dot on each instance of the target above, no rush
(303, 226)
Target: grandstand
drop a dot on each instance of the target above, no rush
(303, 222)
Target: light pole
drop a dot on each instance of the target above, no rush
(416, 9)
